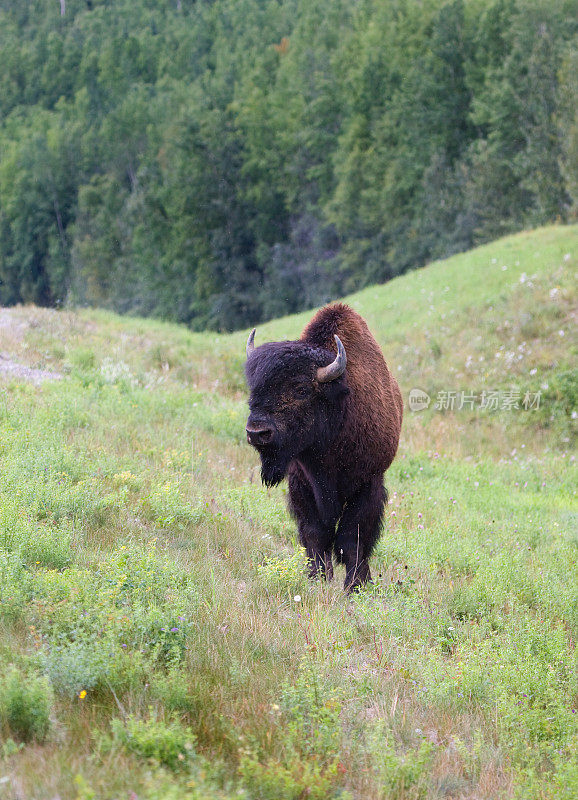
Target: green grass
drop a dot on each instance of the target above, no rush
(157, 632)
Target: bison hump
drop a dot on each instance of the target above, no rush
(363, 352)
(336, 318)
(375, 406)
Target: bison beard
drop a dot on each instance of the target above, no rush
(331, 424)
(274, 465)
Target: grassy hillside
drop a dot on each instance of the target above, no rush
(157, 634)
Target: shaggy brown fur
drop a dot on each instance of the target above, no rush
(374, 408)
(334, 440)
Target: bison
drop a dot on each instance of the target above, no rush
(331, 423)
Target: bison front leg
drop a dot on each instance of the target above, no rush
(315, 535)
(358, 531)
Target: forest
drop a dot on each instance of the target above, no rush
(222, 162)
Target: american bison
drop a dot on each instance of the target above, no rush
(330, 422)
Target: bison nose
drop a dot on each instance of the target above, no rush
(259, 436)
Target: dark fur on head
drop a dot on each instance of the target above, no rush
(286, 397)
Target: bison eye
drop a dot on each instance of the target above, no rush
(301, 391)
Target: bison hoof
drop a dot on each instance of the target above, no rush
(323, 568)
(356, 581)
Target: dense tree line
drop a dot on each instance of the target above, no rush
(218, 162)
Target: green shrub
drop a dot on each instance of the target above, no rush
(562, 392)
(81, 358)
(312, 716)
(284, 574)
(25, 705)
(566, 776)
(166, 507)
(310, 719)
(559, 401)
(159, 633)
(49, 548)
(35, 544)
(293, 780)
(468, 602)
(10, 747)
(172, 689)
(14, 581)
(84, 790)
(168, 743)
(400, 776)
(162, 784)
(79, 665)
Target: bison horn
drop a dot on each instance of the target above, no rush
(336, 368)
(251, 342)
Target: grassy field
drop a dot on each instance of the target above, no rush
(158, 638)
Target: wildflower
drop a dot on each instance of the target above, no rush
(297, 598)
(82, 694)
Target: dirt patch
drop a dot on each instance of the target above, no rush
(15, 324)
(10, 369)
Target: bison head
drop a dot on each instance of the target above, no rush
(297, 402)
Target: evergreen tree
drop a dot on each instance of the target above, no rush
(218, 162)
